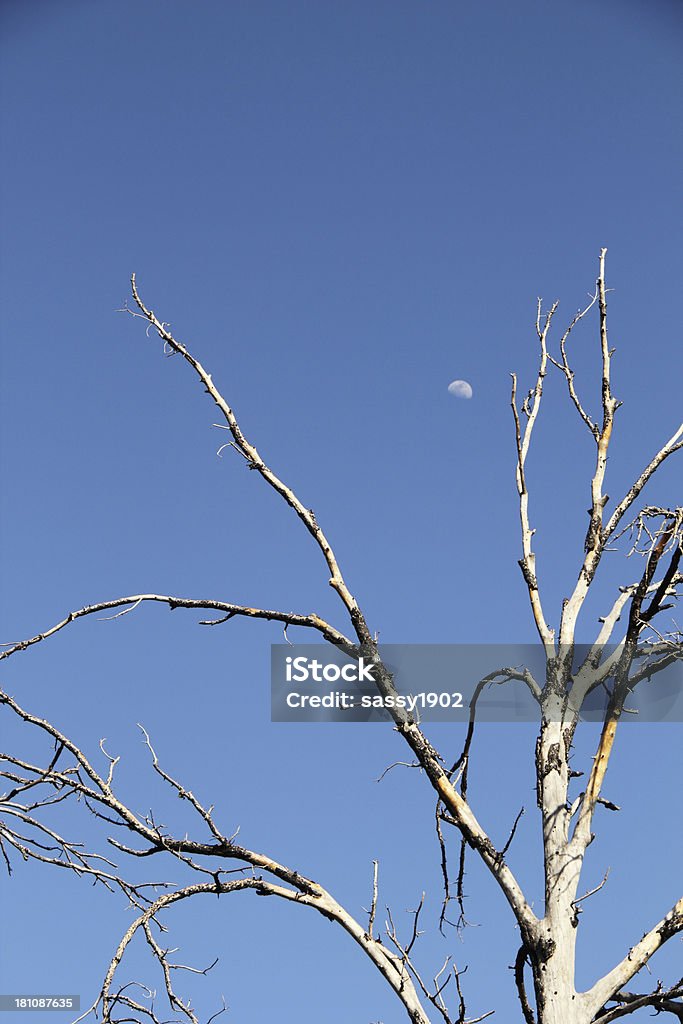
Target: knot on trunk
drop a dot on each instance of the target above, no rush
(552, 761)
(545, 947)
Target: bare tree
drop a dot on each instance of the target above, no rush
(619, 660)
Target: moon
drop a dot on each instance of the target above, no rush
(460, 389)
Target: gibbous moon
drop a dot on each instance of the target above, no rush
(460, 389)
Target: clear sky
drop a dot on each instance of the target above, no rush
(340, 207)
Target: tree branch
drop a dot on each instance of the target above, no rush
(523, 438)
(595, 540)
(255, 461)
(636, 958)
(231, 610)
(674, 444)
(97, 792)
(520, 960)
(568, 372)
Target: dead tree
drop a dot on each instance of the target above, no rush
(215, 864)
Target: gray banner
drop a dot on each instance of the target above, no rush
(26, 1002)
(449, 682)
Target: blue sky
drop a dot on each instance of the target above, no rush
(340, 207)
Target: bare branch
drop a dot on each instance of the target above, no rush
(512, 832)
(435, 994)
(568, 372)
(290, 618)
(623, 683)
(528, 561)
(255, 461)
(636, 958)
(521, 959)
(398, 764)
(498, 677)
(628, 1002)
(290, 884)
(444, 869)
(373, 905)
(674, 444)
(595, 539)
(597, 888)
